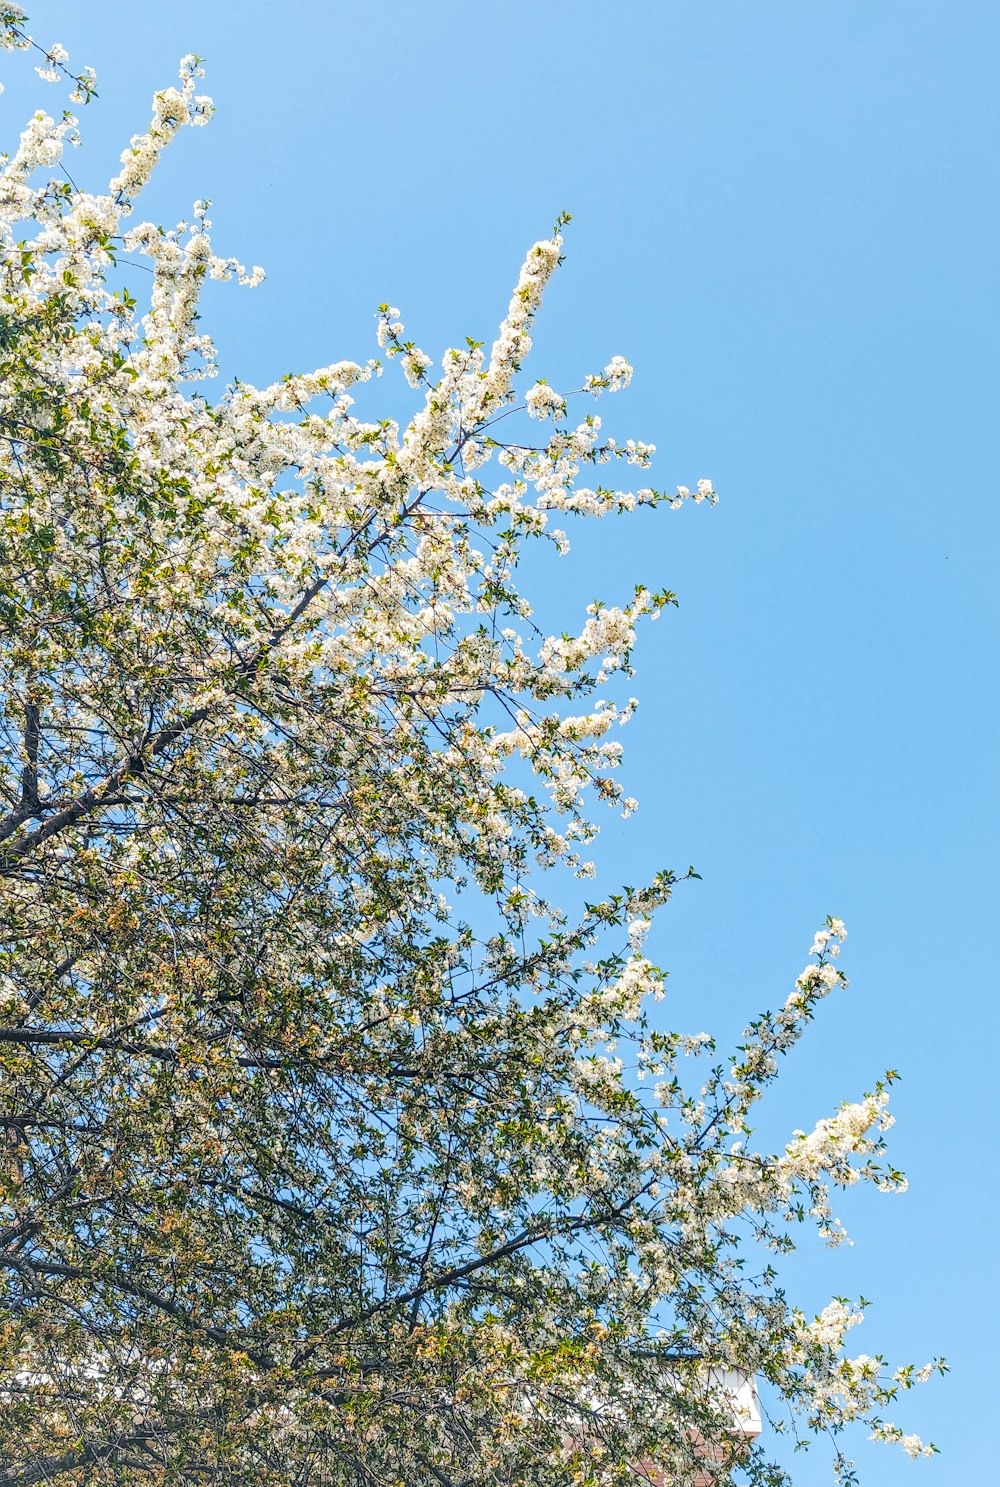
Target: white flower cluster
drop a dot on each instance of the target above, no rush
(638, 929)
(172, 109)
(544, 402)
(828, 1329)
(616, 375)
(829, 1146)
(54, 57)
(703, 491)
(829, 939)
(513, 341)
(912, 1445)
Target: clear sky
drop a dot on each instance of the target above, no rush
(785, 214)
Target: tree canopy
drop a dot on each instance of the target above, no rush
(321, 1161)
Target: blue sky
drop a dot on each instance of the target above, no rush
(785, 215)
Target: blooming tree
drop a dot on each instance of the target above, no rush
(319, 1162)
